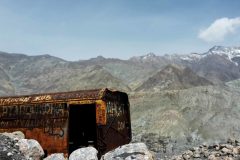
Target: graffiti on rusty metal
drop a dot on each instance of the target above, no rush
(21, 100)
(50, 117)
(42, 98)
(54, 131)
(116, 111)
(121, 125)
(7, 101)
(33, 111)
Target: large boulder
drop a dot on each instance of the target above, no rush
(88, 153)
(31, 149)
(56, 156)
(132, 151)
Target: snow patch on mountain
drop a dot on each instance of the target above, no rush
(147, 57)
(227, 52)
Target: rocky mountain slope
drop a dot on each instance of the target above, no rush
(173, 120)
(173, 77)
(23, 74)
(234, 84)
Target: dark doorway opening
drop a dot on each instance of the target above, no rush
(82, 126)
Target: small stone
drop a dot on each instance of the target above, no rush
(231, 140)
(186, 156)
(196, 155)
(16, 139)
(228, 146)
(217, 148)
(205, 153)
(4, 149)
(217, 155)
(190, 153)
(226, 150)
(211, 157)
(204, 144)
(9, 154)
(177, 158)
(16, 144)
(194, 149)
(222, 146)
(228, 158)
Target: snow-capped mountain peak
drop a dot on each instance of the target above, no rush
(227, 52)
(230, 52)
(148, 57)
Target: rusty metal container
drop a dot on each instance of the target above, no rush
(63, 122)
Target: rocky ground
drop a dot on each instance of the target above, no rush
(218, 151)
(13, 146)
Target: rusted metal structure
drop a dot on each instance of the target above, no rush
(63, 122)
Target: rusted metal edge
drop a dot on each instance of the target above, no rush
(73, 97)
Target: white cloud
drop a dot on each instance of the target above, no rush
(219, 29)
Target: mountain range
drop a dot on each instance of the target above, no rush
(22, 74)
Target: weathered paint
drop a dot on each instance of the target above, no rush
(101, 113)
(50, 142)
(63, 97)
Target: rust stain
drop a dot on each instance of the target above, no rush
(101, 114)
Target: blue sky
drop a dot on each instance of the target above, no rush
(80, 29)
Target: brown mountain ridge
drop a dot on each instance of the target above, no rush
(173, 77)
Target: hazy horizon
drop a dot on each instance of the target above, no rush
(117, 29)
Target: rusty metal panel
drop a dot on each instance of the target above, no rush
(117, 131)
(46, 122)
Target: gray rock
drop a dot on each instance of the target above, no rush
(8, 149)
(226, 150)
(9, 154)
(196, 155)
(56, 156)
(211, 157)
(177, 158)
(186, 156)
(31, 149)
(133, 151)
(236, 150)
(88, 153)
(205, 153)
(231, 140)
(17, 135)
